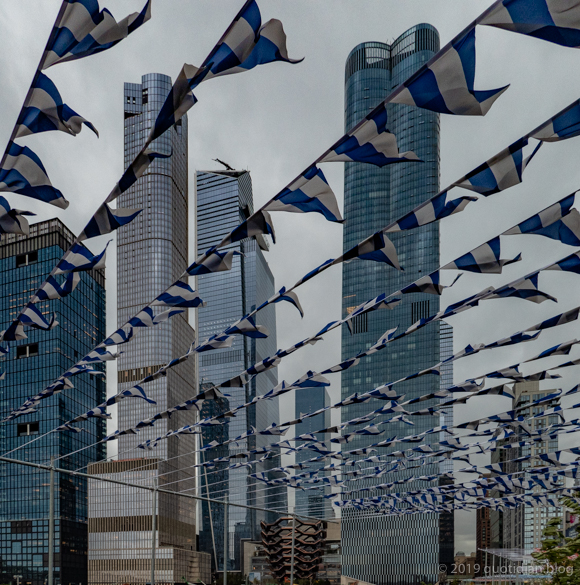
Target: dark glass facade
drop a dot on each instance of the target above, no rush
(31, 365)
(224, 199)
(383, 549)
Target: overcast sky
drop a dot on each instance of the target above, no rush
(278, 118)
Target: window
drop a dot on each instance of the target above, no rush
(359, 324)
(27, 429)
(419, 310)
(24, 351)
(145, 96)
(26, 259)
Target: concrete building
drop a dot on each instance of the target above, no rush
(152, 253)
(33, 364)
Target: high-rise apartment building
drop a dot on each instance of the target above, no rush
(152, 253)
(31, 365)
(386, 549)
(224, 199)
(312, 502)
(523, 526)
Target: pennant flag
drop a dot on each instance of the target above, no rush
(427, 284)
(560, 349)
(247, 326)
(78, 258)
(122, 335)
(500, 172)
(551, 20)
(565, 124)
(513, 340)
(107, 220)
(370, 141)
(98, 412)
(99, 354)
(526, 288)
(558, 222)
(245, 45)
(68, 427)
(309, 193)
(377, 248)
(284, 295)
(22, 172)
(44, 110)
(569, 264)
(32, 317)
(316, 271)
(484, 259)
(446, 85)
(135, 170)
(84, 31)
(12, 221)
(135, 392)
(215, 342)
(146, 318)
(179, 294)
(51, 289)
(435, 208)
(213, 261)
(257, 224)
(177, 103)
(560, 319)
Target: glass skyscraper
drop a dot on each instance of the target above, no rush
(382, 549)
(152, 253)
(312, 502)
(224, 199)
(31, 365)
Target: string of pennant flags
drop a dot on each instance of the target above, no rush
(370, 141)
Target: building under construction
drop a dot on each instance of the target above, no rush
(309, 538)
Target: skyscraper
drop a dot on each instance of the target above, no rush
(523, 526)
(31, 365)
(152, 253)
(312, 503)
(224, 199)
(386, 549)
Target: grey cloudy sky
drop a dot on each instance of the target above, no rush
(277, 118)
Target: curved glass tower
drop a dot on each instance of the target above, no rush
(383, 549)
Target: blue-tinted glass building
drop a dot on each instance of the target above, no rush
(224, 199)
(312, 502)
(386, 549)
(31, 365)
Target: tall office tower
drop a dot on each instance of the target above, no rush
(152, 253)
(312, 502)
(31, 365)
(523, 526)
(388, 549)
(482, 538)
(224, 199)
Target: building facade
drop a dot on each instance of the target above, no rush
(224, 199)
(152, 253)
(482, 539)
(523, 526)
(312, 502)
(31, 365)
(381, 549)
